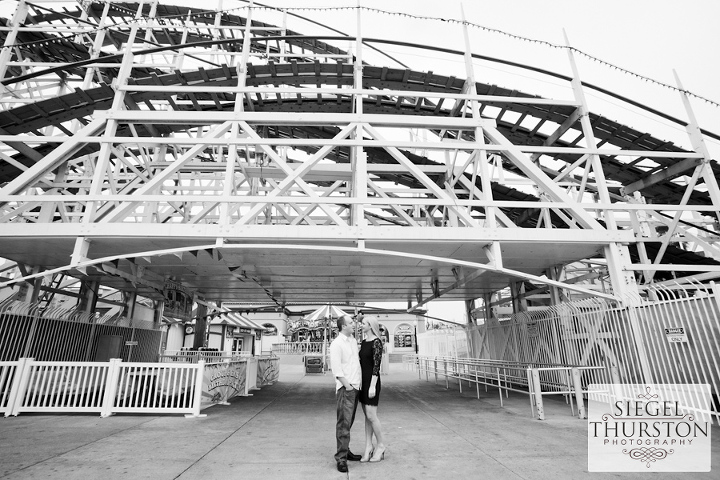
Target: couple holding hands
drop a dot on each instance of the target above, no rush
(357, 378)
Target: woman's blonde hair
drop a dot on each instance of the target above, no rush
(374, 326)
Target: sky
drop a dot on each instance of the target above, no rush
(650, 38)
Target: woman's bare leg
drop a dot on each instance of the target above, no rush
(368, 437)
(372, 418)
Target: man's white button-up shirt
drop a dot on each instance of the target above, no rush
(345, 361)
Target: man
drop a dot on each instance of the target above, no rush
(345, 364)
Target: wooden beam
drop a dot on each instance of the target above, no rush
(668, 173)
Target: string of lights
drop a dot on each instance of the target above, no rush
(147, 20)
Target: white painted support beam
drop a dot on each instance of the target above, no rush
(53, 159)
(161, 177)
(133, 278)
(499, 214)
(424, 179)
(675, 221)
(299, 118)
(458, 235)
(459, 283)
(544, 182)
(247, 199)
(675, 267)
(698, 143)
(445, 144)
(293, 175)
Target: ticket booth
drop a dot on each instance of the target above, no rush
(243, 341)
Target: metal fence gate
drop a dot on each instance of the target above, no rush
(673, 336)
(60, 335)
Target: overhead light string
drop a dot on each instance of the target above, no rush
(144, 18)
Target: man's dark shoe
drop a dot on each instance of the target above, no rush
(353, 457)
(342, 467)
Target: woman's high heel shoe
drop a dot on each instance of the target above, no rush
(378, 455)
(365, 459)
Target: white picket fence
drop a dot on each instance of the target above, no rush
(294, 348)
(110, 387)
(193, 356)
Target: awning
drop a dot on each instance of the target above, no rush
(326, 311)
(234, 319)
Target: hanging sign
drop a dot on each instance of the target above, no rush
(270, 329)
(178, 301)
(676, 335)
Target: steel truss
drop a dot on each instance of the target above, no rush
(249, 162)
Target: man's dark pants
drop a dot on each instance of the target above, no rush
(346, 407)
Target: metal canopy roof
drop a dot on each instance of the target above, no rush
(268, 273)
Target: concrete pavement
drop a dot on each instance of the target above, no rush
(286, 431)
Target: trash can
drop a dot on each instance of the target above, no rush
(313, 364)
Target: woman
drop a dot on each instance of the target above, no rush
(370, 358)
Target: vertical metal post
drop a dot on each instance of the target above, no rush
(447, 380)
(19, 386)
(359, 187)
(698, 143)
(577, 383)
(499, 385)
(537, 389)
(111, 387)
(95, 51)
(459, 374)
(197, 394)
(493, 249)
(639, 344)
(623, 282)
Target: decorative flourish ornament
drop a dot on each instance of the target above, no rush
(648, 454)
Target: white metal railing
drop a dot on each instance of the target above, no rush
(297, 348)
(534, 380)
(193, 356)
(102, 387)
(61, 387)
(632, 343)
(158, 387)
(28, 385)
(7, 379)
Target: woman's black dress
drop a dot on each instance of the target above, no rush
(370, 359)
